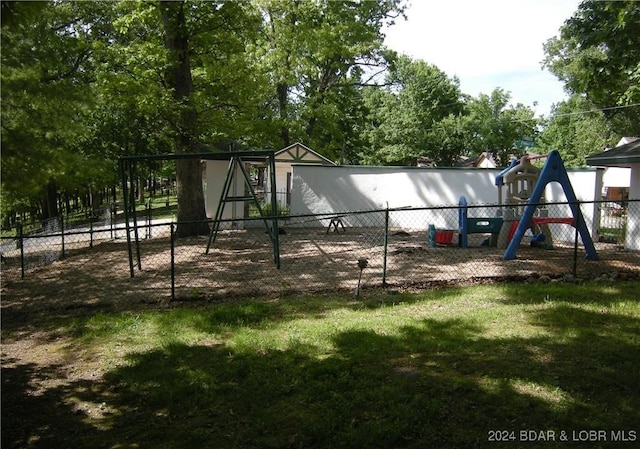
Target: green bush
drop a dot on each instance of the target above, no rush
(267, 210)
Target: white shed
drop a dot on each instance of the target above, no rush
(228, 176)
(285, 158)
(214, 175)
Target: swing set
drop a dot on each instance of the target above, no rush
(237, 161)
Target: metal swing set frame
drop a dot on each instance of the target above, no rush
(237, 160)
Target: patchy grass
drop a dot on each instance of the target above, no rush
(441, 368)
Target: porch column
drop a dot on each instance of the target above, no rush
(633, 211)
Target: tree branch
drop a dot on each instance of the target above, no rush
(83, 56)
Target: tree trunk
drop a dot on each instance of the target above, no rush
(140, 189)
(191, 210)
(67, 204)
(283, 100)
(50, 206)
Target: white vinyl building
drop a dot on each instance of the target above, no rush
(285, 158)
(334, 190)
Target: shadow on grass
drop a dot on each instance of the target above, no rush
(439, 383)
(218, 317)
(604, 294)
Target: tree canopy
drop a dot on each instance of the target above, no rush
(576, 131)
(597, 54)
(497, 126)
(46, 99)
(84, 83)
(404, 117)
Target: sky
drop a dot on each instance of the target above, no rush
(487, 44)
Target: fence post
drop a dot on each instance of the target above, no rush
(575, 242)
(173, 263)
(91, 229)
(112, 215)
(149, 206)
(385, 244)
(21, 246)
(62, 234)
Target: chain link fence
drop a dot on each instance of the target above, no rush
(353, 250)
(324, 252)
(55, 239)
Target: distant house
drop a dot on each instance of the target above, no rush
(484, 160)
(425, 161)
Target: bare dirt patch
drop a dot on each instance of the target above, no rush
(242, 263)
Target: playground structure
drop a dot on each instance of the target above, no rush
(519, 211)
(236, 174)
(522, 208)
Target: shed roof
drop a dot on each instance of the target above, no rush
(622, 156)
(301, 154)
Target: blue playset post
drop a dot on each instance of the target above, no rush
(431, 234)
(553, 170)
(462, 222)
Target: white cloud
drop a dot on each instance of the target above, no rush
(487, 43)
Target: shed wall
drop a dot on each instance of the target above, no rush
(215, 175)
(322, 189)
(633, 216)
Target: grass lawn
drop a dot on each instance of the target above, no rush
(445, 368)
(161, 206)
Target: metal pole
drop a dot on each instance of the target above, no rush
(274, 211)
(91, 228)
(386, 240)
(575, 243)
(125, 203)
(112, 211)
(148, 235)
(62, 234)
(133, 199)
(173, 263)
(21, 246)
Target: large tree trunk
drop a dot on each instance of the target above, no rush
(283, 100)
(50, 201)
(191, 210)
(282, 88)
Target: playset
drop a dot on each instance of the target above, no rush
(521, 201)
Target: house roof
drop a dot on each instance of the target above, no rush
(298, 153)
(622, 156)
(483, 160)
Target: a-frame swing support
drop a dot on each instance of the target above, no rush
(236, 162)
(553, 170)
(127, 174)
